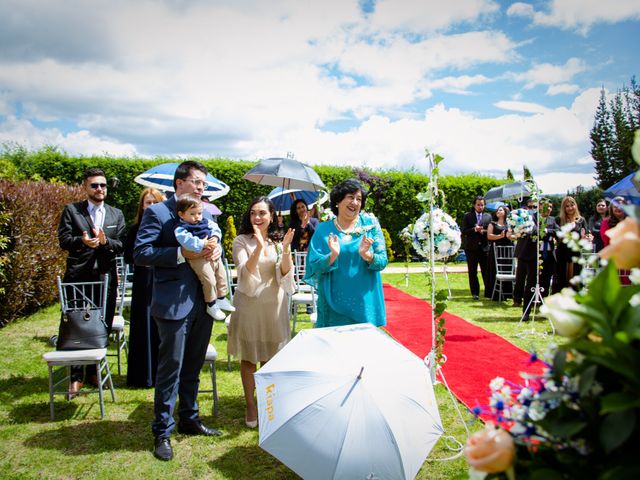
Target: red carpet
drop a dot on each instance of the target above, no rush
(474, 355)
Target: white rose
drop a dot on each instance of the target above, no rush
(561, 310)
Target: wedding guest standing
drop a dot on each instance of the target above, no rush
(547, 246)
(616, 215)
(566, 268)
(497, 234)
(303, 225)
(259, 327)
(595, 222)
(474, 234)
(178, 308)
(344, 261)
(92, 232)
(142, 359)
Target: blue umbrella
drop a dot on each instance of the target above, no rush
(493, 206)
(626, 188)
(161, 177)
(284, 198)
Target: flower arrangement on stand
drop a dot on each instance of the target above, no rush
(580, 417)
(406, 235)
(436, 224)
(520, 222)
(446, 233)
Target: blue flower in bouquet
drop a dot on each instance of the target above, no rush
(447, 237)
(520, 222)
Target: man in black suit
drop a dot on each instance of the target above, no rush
(474, 232)
(526, 252)
(92, 232)
(547, 243)
(179, 310)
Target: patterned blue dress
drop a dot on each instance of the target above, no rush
(350, 290)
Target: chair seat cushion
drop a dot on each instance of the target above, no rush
(94, 354)
(211, 355)
(118, 322)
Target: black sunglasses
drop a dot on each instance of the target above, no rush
(96, 185)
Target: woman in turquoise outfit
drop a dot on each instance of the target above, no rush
(344, 261)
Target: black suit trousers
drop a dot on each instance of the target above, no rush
(475, 258)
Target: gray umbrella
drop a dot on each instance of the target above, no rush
(286, 173)
(508, 191)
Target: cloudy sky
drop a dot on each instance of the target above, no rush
(489, 85)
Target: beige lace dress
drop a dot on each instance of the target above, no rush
(259, 327)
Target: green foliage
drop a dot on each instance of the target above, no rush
(509, 176)
(612, 134)
(30, 258)
(592, 418)
(230, 233)
(392, 199)
(526, 173)
(387, 241)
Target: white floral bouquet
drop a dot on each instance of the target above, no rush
(446, 233)
(520, 222)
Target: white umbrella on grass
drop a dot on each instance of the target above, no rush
(347, 402)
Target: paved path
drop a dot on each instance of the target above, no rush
(460, 268)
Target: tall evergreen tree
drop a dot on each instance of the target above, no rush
(622, 162)
(526, 173)
(510, 176)
(601, 143)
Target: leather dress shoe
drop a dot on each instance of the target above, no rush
(162, 449)
(74, 388)
(197, 428)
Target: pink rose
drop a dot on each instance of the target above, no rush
(624, 248)
(490, 450)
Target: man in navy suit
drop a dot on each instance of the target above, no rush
(474, 235)
(92, 232)
(179, 310)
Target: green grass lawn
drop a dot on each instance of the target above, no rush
(80, 445)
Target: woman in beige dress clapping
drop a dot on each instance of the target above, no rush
(259, 327)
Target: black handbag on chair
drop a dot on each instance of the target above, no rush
(82, 329)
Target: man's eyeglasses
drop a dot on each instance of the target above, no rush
(96, 185)
(198, 183)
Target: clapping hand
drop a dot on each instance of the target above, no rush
(364, 248)
(90, 242)
(288, 238)
(334, 245)
(258, 236)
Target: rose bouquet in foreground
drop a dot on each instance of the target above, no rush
(580, 418)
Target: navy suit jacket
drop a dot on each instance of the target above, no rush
(176, 288)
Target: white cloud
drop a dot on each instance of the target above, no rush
(459, 85)
(428, 15)
(523, 107)
(81, 142)
(549, 74)
(579, 14)
(520, 9)
(562, 88)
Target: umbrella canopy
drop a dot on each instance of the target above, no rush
(283, 198)
(493, 206)
(347, 402)
(508, 191)
(626, 188)
(161, 177)
(211, 208)
(286, 173)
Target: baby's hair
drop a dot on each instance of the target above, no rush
(186, 201)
